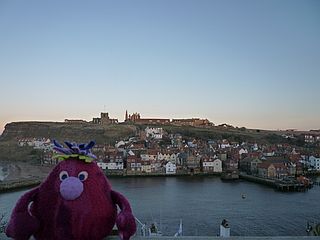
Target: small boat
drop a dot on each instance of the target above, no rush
(179, 232)
(243, 196)
(149, 230)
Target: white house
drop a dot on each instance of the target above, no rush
(217, 165)
(314, 162)
(224, 144)
(208, 165)
(211, 165)
(102, 165)
(155, 133)
(243, 151)
(110, 165)
(171, 168)
(41, 143)
(115, 166)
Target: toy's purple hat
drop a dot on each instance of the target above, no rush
(74, 150)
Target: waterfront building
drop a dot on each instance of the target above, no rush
(250, 165)
(170, 168)
(266, 170)
(145, 166)
(211, 165)
(207, 164)
(181, 162)
(230, 164)
(112, 162)
(273, 170)
(217, 166)
(115, 161)
(254, 165)
(193, 163)
(133, 164)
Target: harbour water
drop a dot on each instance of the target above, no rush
(203, 202)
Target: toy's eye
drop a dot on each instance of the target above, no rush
(63, 175)
(83, 176)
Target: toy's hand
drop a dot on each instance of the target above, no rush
(126, 225)
(126, 222)
(22, 224)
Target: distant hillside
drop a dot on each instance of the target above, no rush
(79, 132)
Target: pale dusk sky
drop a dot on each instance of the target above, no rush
(247, 63)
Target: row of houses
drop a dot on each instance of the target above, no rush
(271, 167)
(159, 163)
(312, 138)
(36, 143)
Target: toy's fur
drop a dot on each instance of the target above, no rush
(44, 213)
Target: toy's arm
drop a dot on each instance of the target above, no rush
(22, 224)
(125, 220)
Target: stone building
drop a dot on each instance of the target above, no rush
(104, 119)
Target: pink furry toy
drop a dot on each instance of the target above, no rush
(75, 202)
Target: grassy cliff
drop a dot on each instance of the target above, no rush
(78, 132)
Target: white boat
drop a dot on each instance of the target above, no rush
(179, 232)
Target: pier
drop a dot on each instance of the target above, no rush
(281, 185)
(19, 183)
